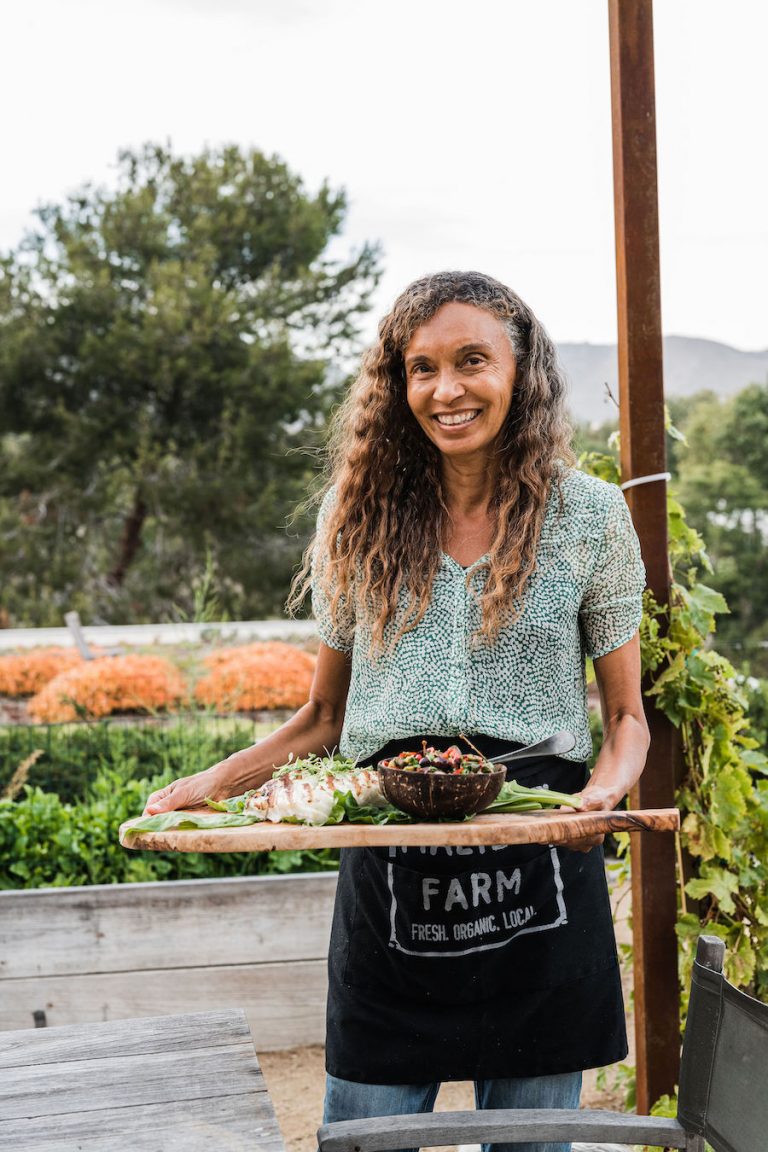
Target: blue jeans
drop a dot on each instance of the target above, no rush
(346, 1100)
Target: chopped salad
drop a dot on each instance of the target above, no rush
(452, 761)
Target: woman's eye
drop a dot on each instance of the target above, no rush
(474, 361)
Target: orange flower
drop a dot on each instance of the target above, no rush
(261, 648)
(255, 677)
(24, 673)
(113, 684)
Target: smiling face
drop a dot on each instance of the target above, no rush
(460, 373)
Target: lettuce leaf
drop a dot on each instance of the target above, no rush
(345, 807)
(230, 814)
(164, 821)
(233, 804)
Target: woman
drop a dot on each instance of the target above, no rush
(461, 572)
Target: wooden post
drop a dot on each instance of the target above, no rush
(641, 407)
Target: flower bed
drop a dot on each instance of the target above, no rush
(251, 678)
(25, 673)
(256, 677)
(114, 684)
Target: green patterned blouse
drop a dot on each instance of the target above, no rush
(584, 599)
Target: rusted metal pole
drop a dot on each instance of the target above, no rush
(641, 409)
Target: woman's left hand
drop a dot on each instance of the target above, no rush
(625, 735)
(593, 799)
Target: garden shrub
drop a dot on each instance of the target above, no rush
(24, 673)
(296, 657)
(70, 756)
(256, 677)
(47, 843)
(130, 683)
(756, 694)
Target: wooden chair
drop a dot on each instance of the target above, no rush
(723, 1095)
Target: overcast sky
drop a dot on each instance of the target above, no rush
(470, 134)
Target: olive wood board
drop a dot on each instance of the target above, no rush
(553, 827)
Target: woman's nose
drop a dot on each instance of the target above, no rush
(448, 386)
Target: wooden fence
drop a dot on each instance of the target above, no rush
(109, 952)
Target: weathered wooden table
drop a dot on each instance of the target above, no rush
(165, 1084)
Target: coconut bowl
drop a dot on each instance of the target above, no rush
(436, 795)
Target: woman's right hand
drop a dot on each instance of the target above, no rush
(190, 791)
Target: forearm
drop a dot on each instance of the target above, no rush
(620, 762)
(315, 728)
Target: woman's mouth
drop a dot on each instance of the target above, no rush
(451, 419)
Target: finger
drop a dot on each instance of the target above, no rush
(178, 797)
(162, 801)
(152, 807)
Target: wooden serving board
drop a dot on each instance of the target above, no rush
(527, 828)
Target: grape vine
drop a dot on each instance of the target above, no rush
(723, 796)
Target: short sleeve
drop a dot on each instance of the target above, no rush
(339, 635)
(612, 604)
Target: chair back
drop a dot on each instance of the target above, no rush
(724, 1071)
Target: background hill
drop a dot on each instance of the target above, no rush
(690, 366)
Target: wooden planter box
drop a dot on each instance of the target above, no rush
(115, 951)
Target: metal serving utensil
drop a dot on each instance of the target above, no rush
(556, 745)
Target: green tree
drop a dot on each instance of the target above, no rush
(722, 478)
(166, 346)
(720, 469)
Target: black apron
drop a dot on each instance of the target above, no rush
(473, 963)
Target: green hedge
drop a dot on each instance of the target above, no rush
(46, 842)
(69, 756)
(60, 828)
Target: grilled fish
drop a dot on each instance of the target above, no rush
(308, 796)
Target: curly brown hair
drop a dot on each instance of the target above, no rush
(382, 534)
